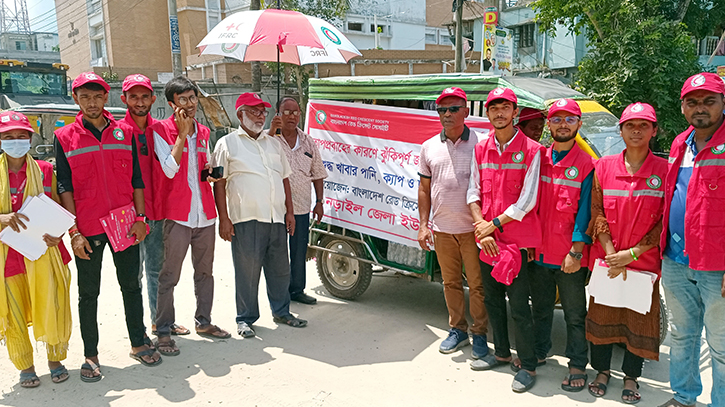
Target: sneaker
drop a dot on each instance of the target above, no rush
(480, 346)
(245, 330)
(304, 299)
(456, 339)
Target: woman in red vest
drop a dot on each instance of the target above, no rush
(627, 205)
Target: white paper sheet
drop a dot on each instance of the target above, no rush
(635, 293)
(46, 216)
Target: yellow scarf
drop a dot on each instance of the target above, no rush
(48, 277)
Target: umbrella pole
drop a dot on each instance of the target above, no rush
(279, 81)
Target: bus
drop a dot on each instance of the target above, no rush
(25, 83)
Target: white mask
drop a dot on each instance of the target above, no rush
(15, 148)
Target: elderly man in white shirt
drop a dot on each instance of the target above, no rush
(255, 207)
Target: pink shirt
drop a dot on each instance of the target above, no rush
(448, 165)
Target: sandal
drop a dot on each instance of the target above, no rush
(516, 367)
(57, 373)
(174, 330)
(599, 385)
(631, 393)
(572, 377)
(291, 320)
(148, 352)
(214, 333)
(29, 380)
(170, 344)
(89, 365)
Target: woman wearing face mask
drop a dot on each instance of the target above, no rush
(27, 282)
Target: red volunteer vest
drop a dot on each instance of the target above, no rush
(705, 214)
(174, 194)
(633, 205)
(146, 158)
(561, 187)
(502, 179)
(101, 171)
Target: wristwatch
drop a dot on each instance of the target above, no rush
(497, 223)
(141, 217)
(576, 256)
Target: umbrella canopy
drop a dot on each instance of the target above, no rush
(259, 35)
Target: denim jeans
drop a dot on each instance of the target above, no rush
(256, 246)
(518, 295)
(298, 253)
(544, 282)
(152, 258)
(694, 299)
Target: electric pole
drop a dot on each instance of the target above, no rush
(14, 16)
(256, 67)
(175, 42)
(459, 34)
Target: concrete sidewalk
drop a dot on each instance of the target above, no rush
(381, 349)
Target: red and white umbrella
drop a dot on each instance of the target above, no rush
(259, 35)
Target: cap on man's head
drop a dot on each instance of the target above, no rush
(136, 80)
(250, 99)
(453, 91)
(14, 121)
(703, 81)
(528, 113)
(565, 105)
(89, 77)
(639, 110)
(501, 94)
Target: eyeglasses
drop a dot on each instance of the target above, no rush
(569, 120)
(256, 112)
(452, 109)
(291, 112)
(183, 100)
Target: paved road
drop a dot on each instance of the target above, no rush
(379, 350)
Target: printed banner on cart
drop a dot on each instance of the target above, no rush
(371, 154)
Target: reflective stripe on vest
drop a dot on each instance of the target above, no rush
(487, 166)
(117, 147)
(713, 162)
(13, 190)
(513, 166)
(48, 189)
(82, 150)
(567, 182)
(648, 192)
(546, 179)
(202, 150)
(615, 192)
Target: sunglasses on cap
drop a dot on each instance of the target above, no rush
(452, 109)
(569, 119)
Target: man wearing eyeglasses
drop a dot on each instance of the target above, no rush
(444, 169)
(182, 147)
(565, 210)
(256, 213)
(307, 170)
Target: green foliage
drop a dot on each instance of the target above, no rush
(639, 50)
(110, 76)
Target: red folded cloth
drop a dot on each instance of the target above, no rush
(506, 265)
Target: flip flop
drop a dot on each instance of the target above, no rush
(597, 385)
(290, 320)
(215, 333)
(148, 352)
(57, 373)
(523, 381)
(170, 344)
(92, 367)
(575, 376)
(487, 362)
(32, 377)
(179, 330)
(517, 368)
(631, 393)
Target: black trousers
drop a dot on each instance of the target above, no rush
(89, 285)
(518, 295)
(602, 357)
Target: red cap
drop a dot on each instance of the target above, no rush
(565, 105)
(501, 93)
(136, 80)
(506, 265)
(250, 99)
(639, 111)
(14, 121)
(528, 113)
(457, 92)
(90, 77)
(703, 81)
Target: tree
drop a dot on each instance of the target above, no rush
(640, 50)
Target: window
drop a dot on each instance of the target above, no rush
(213, 14)
(20, 45)
(354, 26)
(381, 29)
(430, 38)
(445, 39)
(526, 35)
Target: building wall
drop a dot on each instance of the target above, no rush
(75, 50)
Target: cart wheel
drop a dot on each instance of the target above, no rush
(664, 323)
(342, 276)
